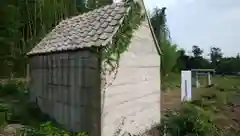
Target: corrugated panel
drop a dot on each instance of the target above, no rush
(56, 112)
(40, 78)
(40, 103)
(72, 92)
(59, 70)
(44, 76)
(37, 84)
(74, 118)
(65, 116)
(65, 72)
(54, 59)
(68, 91)
(61, 81)
(43, 103)
(61, 113)
(49, 73)
(72, 82)
(32, 85)
(78, 81)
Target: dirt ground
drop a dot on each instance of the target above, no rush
(170, 99)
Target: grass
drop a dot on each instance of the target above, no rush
(222, 101)
(171, 81)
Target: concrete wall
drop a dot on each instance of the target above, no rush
(67, 87)
(135, 94)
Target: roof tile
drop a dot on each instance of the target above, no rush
(96, 25)
(95, 37)
(113, 22)
(109, 18)
(92, 32)
(85, 30)
(109, 29)
(100, 31)
(104, 24)
(117, 16)
(104, 36)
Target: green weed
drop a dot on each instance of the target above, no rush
(189, 120)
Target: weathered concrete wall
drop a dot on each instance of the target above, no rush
(135, 94)
(67, 87)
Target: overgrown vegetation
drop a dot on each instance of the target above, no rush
(48, 129)
(16, 109)
(122, 39)
(213, 111)
(189, 120)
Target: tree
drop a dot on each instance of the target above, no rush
(192, 62)
(24, 22)
(170, 54)
(170, 57)
(215, 55)
(197, 52)
(93, 4)
(182, 60)
(158, 21)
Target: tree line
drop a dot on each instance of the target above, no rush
(222, 65)
(175, 60)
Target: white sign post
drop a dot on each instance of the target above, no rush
(186, 85)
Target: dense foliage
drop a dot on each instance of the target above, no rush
(170, 54)
(24, 22)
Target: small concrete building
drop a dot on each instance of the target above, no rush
(73, 82)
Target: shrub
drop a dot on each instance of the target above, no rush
(47, 129)
(4, 113)
(9, 88)
(189, 120)
(1, 86)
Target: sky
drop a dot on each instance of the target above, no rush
(206, 23)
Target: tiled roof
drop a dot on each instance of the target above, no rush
(94, 28)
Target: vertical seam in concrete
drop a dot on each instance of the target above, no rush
(100, 89)
(83, 91)
(68, 104)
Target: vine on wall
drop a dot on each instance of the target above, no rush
(121, 41)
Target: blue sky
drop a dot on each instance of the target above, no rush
(205, 23)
